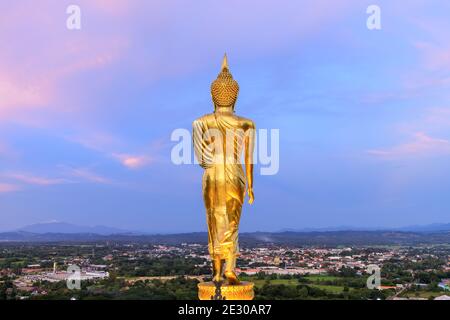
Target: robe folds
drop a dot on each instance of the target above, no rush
(218, 143)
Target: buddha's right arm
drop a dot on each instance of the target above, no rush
(248, 158)
(201, 150)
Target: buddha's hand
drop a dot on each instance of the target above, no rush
(250, 195)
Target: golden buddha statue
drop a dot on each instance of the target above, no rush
(219, 140)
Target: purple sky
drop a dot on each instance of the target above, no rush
(86, 115)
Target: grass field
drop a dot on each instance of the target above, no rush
(287, 282)
(313, 281)
(320, 277)
(421, 294)
(332, 289)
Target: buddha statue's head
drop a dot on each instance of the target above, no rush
(224, 90)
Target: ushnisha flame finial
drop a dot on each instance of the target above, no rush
(224, 90)
(225, 62)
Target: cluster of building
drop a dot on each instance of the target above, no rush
(284, 260)
(32, 274)
(292, 261)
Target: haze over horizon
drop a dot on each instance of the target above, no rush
(86, 116)
(67, 227)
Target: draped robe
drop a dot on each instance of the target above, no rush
(218, 143)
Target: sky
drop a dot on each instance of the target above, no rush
(86, 115)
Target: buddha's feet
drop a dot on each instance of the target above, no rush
(231, 277)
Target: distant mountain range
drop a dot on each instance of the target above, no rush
(435, 227)
(66, 232)
(68, 228)
(428, 228)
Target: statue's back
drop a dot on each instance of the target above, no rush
(219, 139)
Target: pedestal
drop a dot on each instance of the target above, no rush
(211, 291)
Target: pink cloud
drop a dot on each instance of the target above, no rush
(69, 175)
(108, 144)
(7, 187)
(33, 81)
(435, 50)
(431, 72)
(132, 161)
(20, 96)
(435, 56)
(98, 141)
(34, 180)
(87, 175)
(16, 93)
(112, 7)
(421, 145)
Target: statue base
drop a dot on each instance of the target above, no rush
(213, 291)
